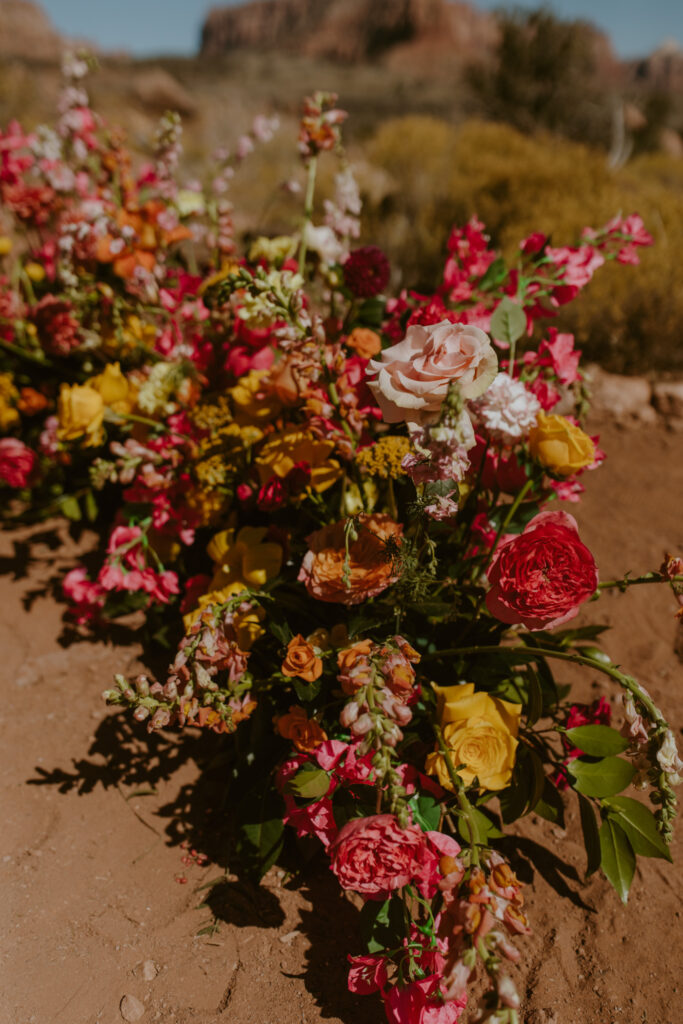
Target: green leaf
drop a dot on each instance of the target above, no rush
(550, 806)
(71, 509)
(306, 691)
(90, 507)
(494, 276)
(591, 836)
(485, 827)
(617, 858)
(596, 653)
(381, 924)
(601, 778)
(535, 701)
(538, 781)
(469, 832)
(597, 740)
(280, 631)
(508, 322)
(426, 811)
(261, 829)
(308, 783)
(371, 312)
(639, 824)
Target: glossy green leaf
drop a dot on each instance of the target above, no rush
(426, 811)
(596, 653)
(508, 322)
(601, 778)
(538, 784)
(381, 924)
(535, 702)
(71, 509)
(306, 691)
(309, 783)
(597, 740)
(639, 824)
(591, 835)
(617, 859)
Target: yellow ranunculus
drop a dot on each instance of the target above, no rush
(559, 446)
(480, 732)
(35, 272)
(254, 401)
(115, 388)
(283, 451)
(5, 245)
(246, 559)
(80, 411)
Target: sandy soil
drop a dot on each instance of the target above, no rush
(94, 817)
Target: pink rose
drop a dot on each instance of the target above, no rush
(375, 856)
(540, 577)
(421, 1002)
(413, 377)
(17, 462)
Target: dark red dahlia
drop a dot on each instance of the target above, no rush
(366, 271)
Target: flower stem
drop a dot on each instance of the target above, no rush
(649, 577)
(308, 209)
(459, 788)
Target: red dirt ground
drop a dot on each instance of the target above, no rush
(93, 818)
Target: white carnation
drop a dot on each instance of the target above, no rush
(507, 410)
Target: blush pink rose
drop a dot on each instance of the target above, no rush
(413, 377)
(17, 462)
(540, 577)
(374, 856)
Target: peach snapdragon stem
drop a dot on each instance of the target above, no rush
(459, 788)
(308, 210)
(525, 653)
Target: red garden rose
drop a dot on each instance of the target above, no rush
(539, 578)
(17, 462)
(374, 856)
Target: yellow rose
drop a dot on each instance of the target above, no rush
(35, 272)
(281, 452)
(115, 388)
(559, 446)
(480, 732)
(5, 245)
(246, 559)
(80, 411)
(8, 397)
(254, 400)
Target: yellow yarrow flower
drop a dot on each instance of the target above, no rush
(385, 457)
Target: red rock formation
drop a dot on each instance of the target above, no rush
(349, 30)
(26, 31)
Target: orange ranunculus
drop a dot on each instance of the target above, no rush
(31, 401)
(369, 569)
(301, 660)
(304, 732)
(364, 342)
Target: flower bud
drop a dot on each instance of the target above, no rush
(349, 714)
(140, 714)
(362, 725)
(507, 993)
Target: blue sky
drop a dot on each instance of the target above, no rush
(172, 26)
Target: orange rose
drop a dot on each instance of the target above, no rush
(364, 342)
(304, 732)
(301, 660)
(31, 401)
(330, 575)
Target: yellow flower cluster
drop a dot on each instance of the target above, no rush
(385, 457)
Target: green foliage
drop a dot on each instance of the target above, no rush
(597, 740)
(617, 858)
(639, 825)
(601, 778)
(627, 319)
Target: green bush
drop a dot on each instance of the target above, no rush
(628, 318)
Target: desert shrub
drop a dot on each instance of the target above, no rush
(628, 321)
(546, 74)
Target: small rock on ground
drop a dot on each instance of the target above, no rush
(131, 1008)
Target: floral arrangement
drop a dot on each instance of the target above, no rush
(352, 501)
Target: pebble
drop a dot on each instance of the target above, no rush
(131, 1008)
(149, 970)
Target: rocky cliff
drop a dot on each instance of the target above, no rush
(349, 30)
(26, 31)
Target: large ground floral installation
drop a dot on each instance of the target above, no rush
(343, 508)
